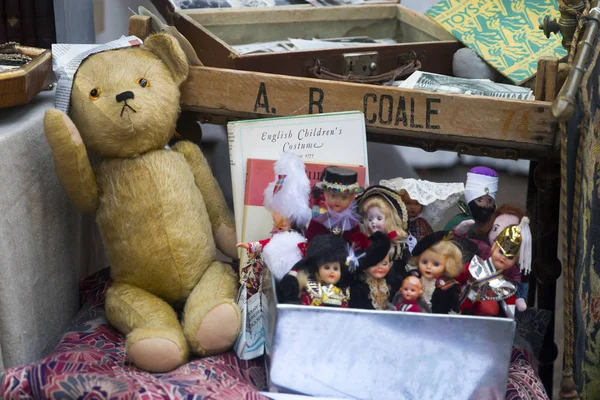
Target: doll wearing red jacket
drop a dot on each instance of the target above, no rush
(340, 187)
(484, 290)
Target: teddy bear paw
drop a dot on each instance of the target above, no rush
(155, 354)
(219, 329)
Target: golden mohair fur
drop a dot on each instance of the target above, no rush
(159, 211)
(392, 220)
(452, 255)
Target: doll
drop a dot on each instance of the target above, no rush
(426, 203)
(370, 290)
(410, 291)
(287, 199)
(480, 194)
(485, 236)
(340, 187)
(511, 215)
(326, 272)
(383, 210)
(417, 226)
(488, 283)
(439, 261)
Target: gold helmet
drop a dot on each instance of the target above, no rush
(509, 241)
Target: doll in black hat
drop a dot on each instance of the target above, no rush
(439, 261)
(340, 187)
(327, 273)
(370, 289)
(382, 209)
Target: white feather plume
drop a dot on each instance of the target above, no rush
(292, 200)
(526, 244)
(282, 253)
(352, 260)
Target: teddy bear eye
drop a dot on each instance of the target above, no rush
(143, 82)
(94, 93)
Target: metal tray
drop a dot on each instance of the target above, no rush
(380, 355)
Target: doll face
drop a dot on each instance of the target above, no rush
(330, 273)
(281, 223)
(431, 264)
(486, 201)
(380, 270)
(411, 288)
(501, 222)
(500, 261)
(338, 202)
(413, 207)
(375, 220)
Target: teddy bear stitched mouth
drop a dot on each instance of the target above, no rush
(128, 106)
(123, 97)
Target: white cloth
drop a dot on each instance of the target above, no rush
(480, 185)
(436, 198)
(66, 59)
(46, 246)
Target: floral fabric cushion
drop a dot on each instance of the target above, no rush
(90, 363)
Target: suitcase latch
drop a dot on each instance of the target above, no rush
(363, 64)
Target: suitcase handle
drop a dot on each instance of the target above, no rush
(411, 65)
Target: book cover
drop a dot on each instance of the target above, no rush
(505, 33)
(257, 225)
(333, 138)
(257, 222)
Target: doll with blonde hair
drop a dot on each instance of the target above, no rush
(439, 261)
(383, 210)
(382, 217)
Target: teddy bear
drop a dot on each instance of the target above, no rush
(160, 211)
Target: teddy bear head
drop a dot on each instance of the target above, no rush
(126, 102)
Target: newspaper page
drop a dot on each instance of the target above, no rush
(329, 3)
(251, 341)
(448, 84)
(293, 44)
(66, 59)
(195, 4)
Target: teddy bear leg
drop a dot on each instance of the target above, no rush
(212, 319)
(155, 340)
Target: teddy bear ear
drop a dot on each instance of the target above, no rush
(169, 51)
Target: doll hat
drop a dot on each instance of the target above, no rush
(390, 196)
(288, 194)
(430, 240)
(378, 248)
(515, 240)
(481, 181)
(324, 249)
(66, 59)
(341, 180)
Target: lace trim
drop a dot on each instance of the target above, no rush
(436, 198)
(379, 293)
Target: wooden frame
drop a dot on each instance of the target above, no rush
(466, 124)
(20, 86)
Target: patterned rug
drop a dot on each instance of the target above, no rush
(90, 363)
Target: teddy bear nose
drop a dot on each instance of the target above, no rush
(128, 95)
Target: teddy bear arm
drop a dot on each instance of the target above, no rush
(71, 161)
(222, 224)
